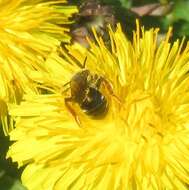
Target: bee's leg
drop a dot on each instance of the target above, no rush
(71, 110)
(109, 88)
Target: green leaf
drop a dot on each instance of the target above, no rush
(126, 3)
(8, 182)
(181, 10)
(184, 29)
(9, 173)
(17, 186)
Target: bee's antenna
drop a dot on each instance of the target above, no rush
(84, 63)
(66, 55)
(66, 84)
(64, 89)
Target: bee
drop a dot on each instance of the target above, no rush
(85, 91)
(92, 13)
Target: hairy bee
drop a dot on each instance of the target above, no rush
(92, 14)
(85, 91)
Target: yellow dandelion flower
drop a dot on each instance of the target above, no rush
(142, 142)
(29, 31)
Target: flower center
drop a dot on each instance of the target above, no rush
(142, 116)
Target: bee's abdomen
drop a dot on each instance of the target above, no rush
(96, 105)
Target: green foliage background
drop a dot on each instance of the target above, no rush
(177, 17)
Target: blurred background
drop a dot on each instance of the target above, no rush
(151, 13)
